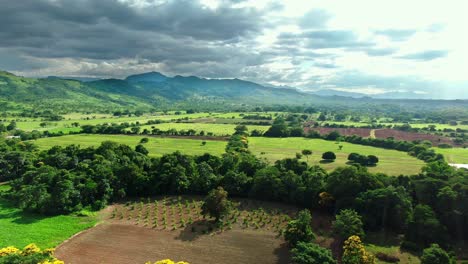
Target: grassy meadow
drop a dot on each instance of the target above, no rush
(454, 155)
(156, 146)
(20, 229)
(216, 129)
(391, 162)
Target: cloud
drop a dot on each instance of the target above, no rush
(425, 55)
(301, 43)
(397, 34)
(324, 39)
(315, 18)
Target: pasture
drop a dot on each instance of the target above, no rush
(391, 162)
(157, 146)
(215, 129)
(20, 229)
(454, 155)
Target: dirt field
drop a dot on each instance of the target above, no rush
(155, 229)
(122, 243)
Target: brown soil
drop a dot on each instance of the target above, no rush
(122, 243)
(173, 227)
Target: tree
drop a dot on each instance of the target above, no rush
(372, 160)
(310, 253)
(141, 149)
(144, 140)
(322, 117)
(348, 223)
(353, 157)
(329, 155)
(435, 255)
(425, 219)
(11, 126)
(307, 152)
(299, 229)
(385, 207)
(355, 253)
(216, 204)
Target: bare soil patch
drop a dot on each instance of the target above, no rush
(122, 243)
(172, 227)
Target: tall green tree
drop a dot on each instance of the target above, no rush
(299, 229)
(216, 204)
(348, 223)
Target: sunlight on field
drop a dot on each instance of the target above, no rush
(20, 229)
(216, 129)
(391, 162)
(454, 155)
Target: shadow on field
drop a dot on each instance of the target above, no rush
(283, 254)
(197, 229)
(326, 161)
(9, 211)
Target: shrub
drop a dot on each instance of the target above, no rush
(329, 155)
(309, 253)
(355, 253)
(435, 255)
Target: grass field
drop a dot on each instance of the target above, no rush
(29, 124)
(20, 229)
(156, 146)
(454, 155)
(391, 162)
(216, 129)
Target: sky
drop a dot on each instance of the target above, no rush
(365, 46)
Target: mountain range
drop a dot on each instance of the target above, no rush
(154, 90)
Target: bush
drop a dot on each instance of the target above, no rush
(435, 255)
(310, 253)
(329, 155)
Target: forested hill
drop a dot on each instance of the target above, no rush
(154, 90)
(149, 90)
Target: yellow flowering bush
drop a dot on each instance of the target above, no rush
(355, 253)
(168, 261)
(30, 249)
(29, 252)
(8, 251)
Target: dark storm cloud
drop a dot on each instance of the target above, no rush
(397, 34)
(425, 55)
(110, 29)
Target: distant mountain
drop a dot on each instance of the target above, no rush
(81, 79)
(387, 95)
(147, 90)
(331, 92)
(154, 90)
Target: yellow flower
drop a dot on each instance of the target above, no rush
(8, 251)
(30, 250)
